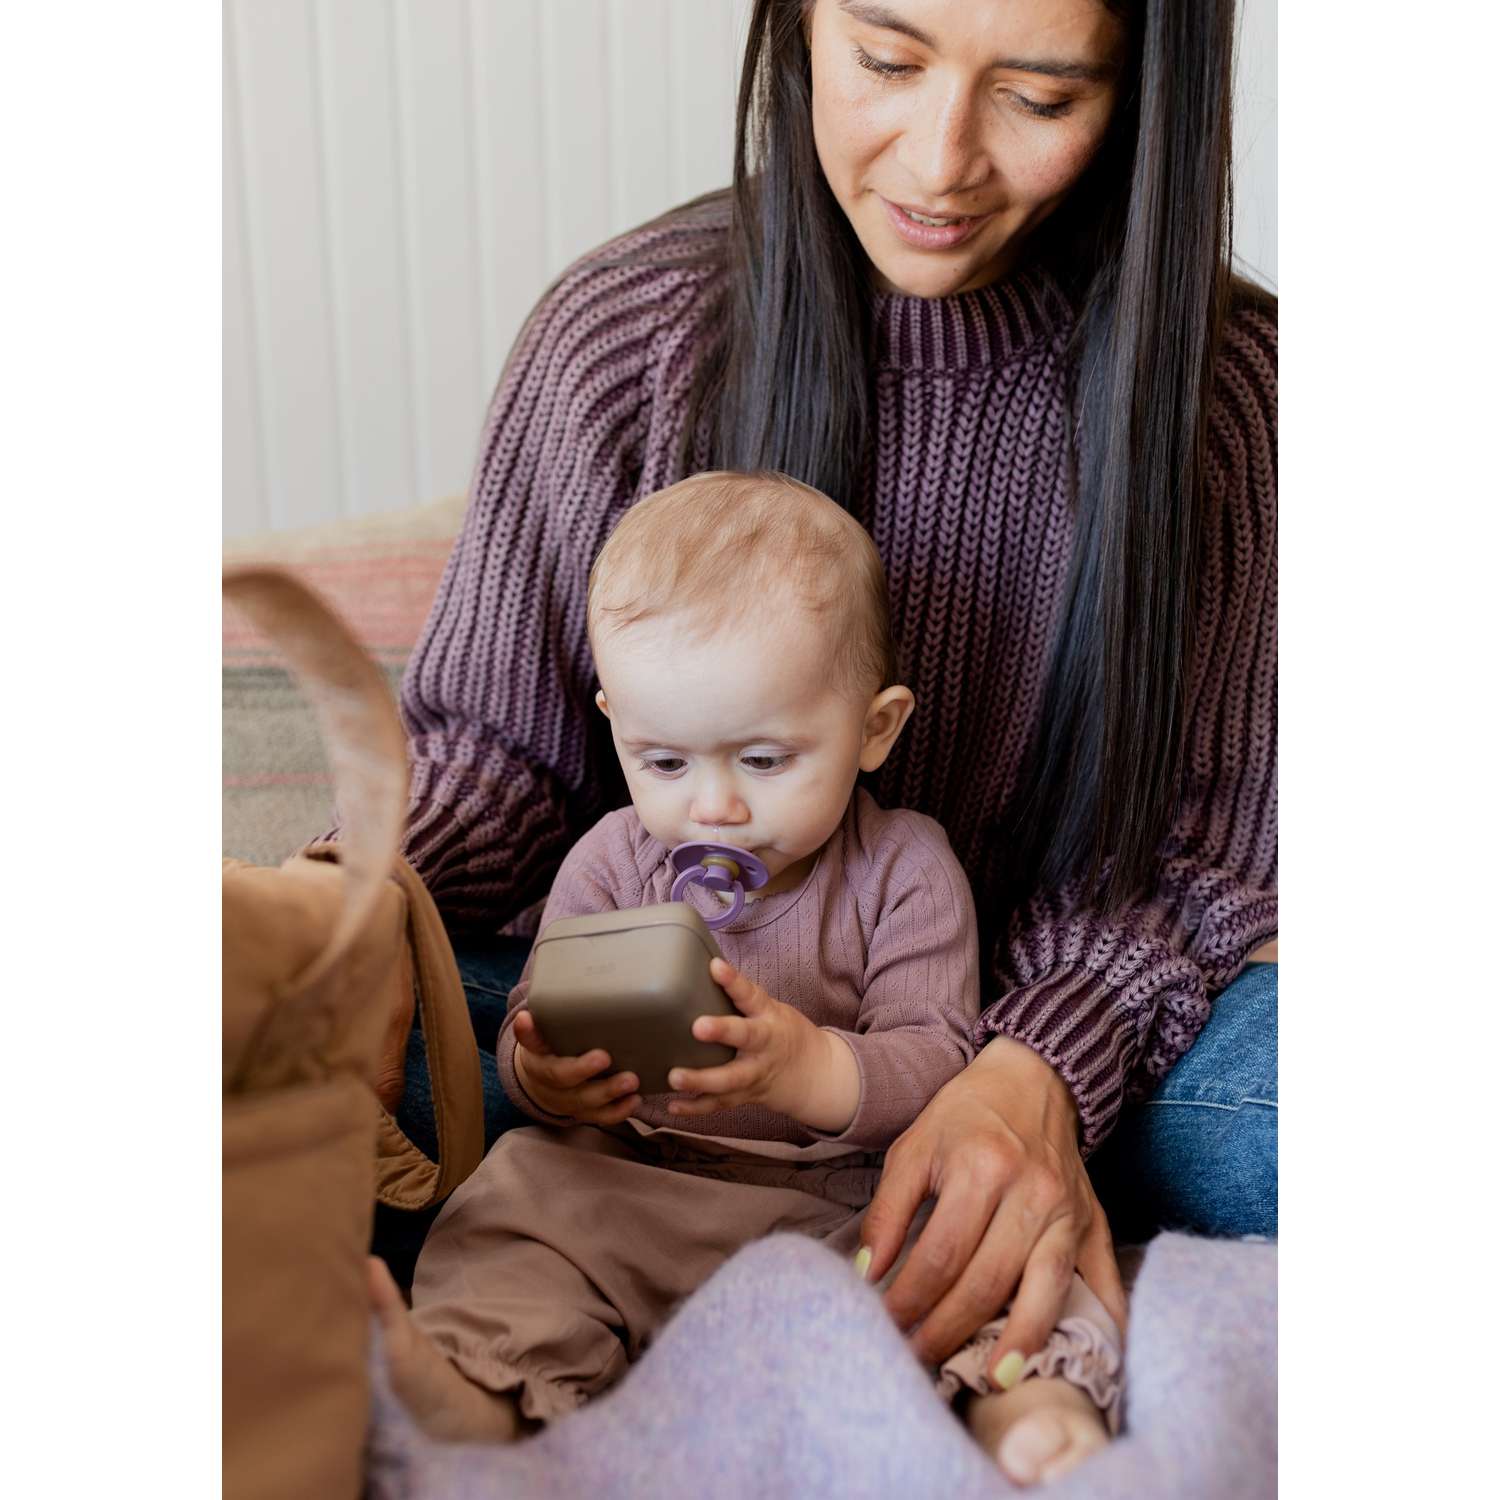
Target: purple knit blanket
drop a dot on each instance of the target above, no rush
(784, 1377)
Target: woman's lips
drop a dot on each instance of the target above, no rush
(931, 236)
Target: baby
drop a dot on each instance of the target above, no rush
(740, 630)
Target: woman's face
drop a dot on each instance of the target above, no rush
(978, 113)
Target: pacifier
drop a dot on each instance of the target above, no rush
(718, 867)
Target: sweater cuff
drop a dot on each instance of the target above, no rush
(486, 838)
(1109, 1035)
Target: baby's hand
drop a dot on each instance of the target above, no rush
(571, 1086)
(777, 1049)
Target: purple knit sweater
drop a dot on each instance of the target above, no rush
(968, 502)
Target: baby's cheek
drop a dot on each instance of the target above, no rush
(817, 808)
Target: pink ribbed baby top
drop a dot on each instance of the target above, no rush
(877, 943)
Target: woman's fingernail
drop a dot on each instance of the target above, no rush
(862, 1263)
(675, 1079)
(1008, 1370)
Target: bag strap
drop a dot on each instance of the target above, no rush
(404, 1176)
(366, 750)
(361, 733)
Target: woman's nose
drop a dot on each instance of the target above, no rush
(942, 149)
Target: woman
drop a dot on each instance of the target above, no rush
(970, 280)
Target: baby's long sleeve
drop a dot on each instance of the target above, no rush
(880, 946)
(921, 978)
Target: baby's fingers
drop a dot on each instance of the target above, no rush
(729, 1031)
(607, 1099)
(528, 1036)
(749, 998)
(567, 1072)
(727, 1078)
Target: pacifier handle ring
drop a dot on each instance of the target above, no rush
(696, 875)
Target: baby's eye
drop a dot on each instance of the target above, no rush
(764, 762)
(665, 765)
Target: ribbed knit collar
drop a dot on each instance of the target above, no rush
(989, 327)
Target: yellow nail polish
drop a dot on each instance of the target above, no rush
(1008, 1370)
(862, 1263)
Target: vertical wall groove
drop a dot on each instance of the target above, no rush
(477, 197)
(674, 156)
(333, 260)
(479, 51)
(255, 345)
(403, 168)
(270, 466)
(610, 44)
(544, 133)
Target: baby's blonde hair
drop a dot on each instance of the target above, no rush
(724, 545)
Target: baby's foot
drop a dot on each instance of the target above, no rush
(441, 1401)
(1039, 1430)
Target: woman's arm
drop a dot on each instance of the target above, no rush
(1094, 1008)
(509, 765)
(1113, 1000)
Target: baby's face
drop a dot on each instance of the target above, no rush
(738, 737)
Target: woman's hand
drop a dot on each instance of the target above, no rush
(1015, 1210)
(781, 1060)
(571, 1086)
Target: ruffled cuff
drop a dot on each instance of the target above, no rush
(1085, 1349)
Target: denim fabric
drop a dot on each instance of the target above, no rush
(1200, 1153)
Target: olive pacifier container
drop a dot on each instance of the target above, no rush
(633, 982)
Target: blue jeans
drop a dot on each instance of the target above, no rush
(1199, 1154)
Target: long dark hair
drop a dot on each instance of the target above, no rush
(1141, 251)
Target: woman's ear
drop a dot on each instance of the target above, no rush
(884, 720)
(599, 700)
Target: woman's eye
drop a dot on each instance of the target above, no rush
(667, 765)
(876, 65)
(764, 762)
(1041, 111)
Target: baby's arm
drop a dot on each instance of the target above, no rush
(921, 981)
(782, 1061)
(920, 1000)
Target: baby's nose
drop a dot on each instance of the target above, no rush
(718, 808)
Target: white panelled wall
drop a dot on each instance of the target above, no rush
(402, 178)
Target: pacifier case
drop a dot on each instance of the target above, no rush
(632, 982)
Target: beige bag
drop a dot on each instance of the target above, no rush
(325, 960)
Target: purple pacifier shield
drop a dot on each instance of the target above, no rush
(690, 861)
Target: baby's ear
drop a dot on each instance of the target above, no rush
(599, 699)
(884, 721)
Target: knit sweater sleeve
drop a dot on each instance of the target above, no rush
(1112, 1003)
(510, 759)
(921, 980)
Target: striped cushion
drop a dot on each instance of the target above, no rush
(380, 573)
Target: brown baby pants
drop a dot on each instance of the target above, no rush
(550, 1270)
